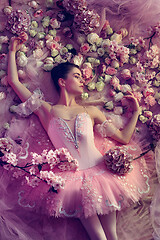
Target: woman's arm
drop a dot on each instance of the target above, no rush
(23, 93)
(124, 135)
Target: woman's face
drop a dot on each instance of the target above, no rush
(74, 82)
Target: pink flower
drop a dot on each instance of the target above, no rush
(4, 81)
(38, 13)
(115, 82)
(57, 38)
(11, 158)
(150, 100)
(148, 114)
(126, 74)
(112, 93)
(87, 73)
(148, 91)
(84, 48)
(52, 44)
(138, 96)
(106, 24)
(107, 60)
(111, 71)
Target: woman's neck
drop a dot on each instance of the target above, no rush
(67, 100)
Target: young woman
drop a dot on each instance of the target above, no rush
(92, 194)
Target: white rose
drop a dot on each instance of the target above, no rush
(126, 88)
(91, 86)
(53, 32)
(33, 4)
(69, 46)
(109, 30)
(133, 51)
(2, 95)
(96, 62)
(143, 119)
(24, 48)
(100, 52)
(22, 60)
(54, 52)
(34, 24)
(32, 32)
(93, 48)
(99, 42)
(109, 105)
(21, 74)
(58, 59)
(100, 86)
(92, 38)
(78, 59)
(49, 60)
(107, 78)
(133, 60)
(7, 10)
(63, 50)
(48, 67)
(46, 21)
(116, 37)
(115, 64)
(3, 39)
(4, 81)
(118, 110)
(40, 35)
(84, 95)
(118, 96)
(87, 65)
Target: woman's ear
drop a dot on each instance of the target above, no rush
(61, 82)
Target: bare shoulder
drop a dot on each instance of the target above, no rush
(96, 114)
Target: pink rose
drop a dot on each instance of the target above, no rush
(138, 96)
(150, 100)
(57, 38)
(84, 48)
(111, 71)
(107, 60)
(38, 13)
(126, 74)
(52, 44)
(148, 91)
(148, 114)
(112, 93)
(87, 73)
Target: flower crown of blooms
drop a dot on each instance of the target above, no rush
(33, 171)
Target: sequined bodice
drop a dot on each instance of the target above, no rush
(79, 142)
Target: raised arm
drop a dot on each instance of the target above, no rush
(23, 93)
(122, 136)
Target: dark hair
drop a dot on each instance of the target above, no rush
(61, 71)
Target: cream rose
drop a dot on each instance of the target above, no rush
(92, 38)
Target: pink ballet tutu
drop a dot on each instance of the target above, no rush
(88, 192)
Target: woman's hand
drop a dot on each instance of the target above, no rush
(133, 101)
(16, 42)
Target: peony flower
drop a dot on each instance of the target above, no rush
(107, 78)
(22, 60)
(125, 88)
(148, 91)
(114, 82)
(118, 160)
(91, 86)
(84, 48)
(48, 67)
(49, 60)
(54, 23)
(84, 95)
(92, 38)
(100, 86)
(126, 74)
(111, 71)
(100, 52)
(150, 100)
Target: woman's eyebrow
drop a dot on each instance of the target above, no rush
(77, 74)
